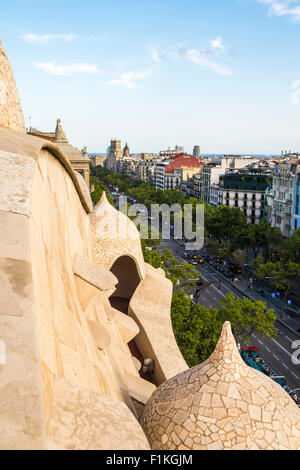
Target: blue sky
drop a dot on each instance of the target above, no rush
(223, 74)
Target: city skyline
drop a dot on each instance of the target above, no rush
(222, 75)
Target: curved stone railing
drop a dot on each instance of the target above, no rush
(24, 145)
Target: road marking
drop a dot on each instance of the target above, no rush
(221, 293)
(288, 339)
(276, 357)
(285, 366)
(295, 375)
(267, 348)
(285, 350)
(260, 342)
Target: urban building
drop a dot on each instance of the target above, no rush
(171, 173)
(197, 151)
(78, 159)
(128, 166)
(146, 169)
(171, 152)
(296, 206)
(283, 199)
(212, 171)
(98, 160)
(92, 362)
(126, 151)
(246, 189)
(215, 195)
(114, 156)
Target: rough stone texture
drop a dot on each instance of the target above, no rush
(94, 274)
(222, 404)
(11, 114)
(14, 146)
(115, 235)
(22, 420)
(57, 314)
(85, 190)
(94, 422)
(69, 375)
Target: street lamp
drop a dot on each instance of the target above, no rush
(269, 299)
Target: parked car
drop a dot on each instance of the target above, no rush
(194, 262)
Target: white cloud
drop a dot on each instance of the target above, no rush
(130, 79)
(197, 56)
(201, 57)
(46, 38)
(289, 8)
(67, 70)
(217, 44)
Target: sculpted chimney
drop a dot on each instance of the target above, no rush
(11, 114)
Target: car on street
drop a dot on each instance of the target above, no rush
(194, 262)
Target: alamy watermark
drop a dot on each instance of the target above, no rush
(2, 353)
(171, 222)
(296, 354)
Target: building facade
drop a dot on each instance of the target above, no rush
(247, 191)
(92, 362)
(283, 200)
(98, 160)
(78, 159)
(197, 151)
(212, 171)
(172, 172)
(114, 156)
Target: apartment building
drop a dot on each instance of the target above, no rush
(283, 200)
(171, 173)
(212, 172)
(246, 189)
(146, 169)
(170, 153)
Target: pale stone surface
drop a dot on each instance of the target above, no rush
(94, 274)
(85, 420)
(85, 190)
(127, 326)
(64, 386)
(224, 417)
(22, 421)
(14, 240)
(15, 174)
(70, 380)
(150, 308)
(114, 236)
(14, 146)
(139, 389)
(38, 288)
(11, 114)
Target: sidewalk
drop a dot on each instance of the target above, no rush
(293, 324)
